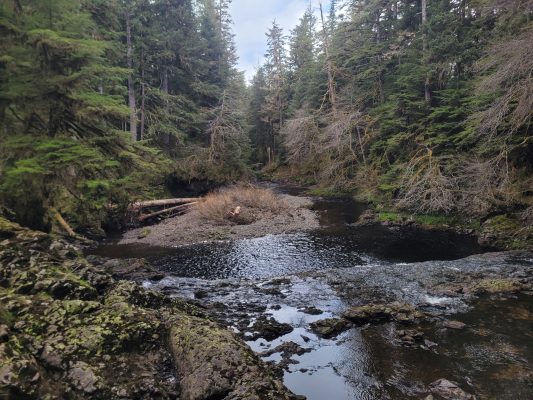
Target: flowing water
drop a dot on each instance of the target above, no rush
(341, 265)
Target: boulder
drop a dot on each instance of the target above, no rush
(269, 329)
(448, 390)
(83, 378)
(311, 310)
(454, 324)
(212, 363)
(330, 327)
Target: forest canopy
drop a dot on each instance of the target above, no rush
(424, 105)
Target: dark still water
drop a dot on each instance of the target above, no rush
(336, 245)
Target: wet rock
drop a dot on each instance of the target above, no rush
(410, 337)
(379, 313)
(286, 349)
(280, 281)
(330, 327)
(138, 270)
(448, 390)
(269, 329)
(493, 286)
(253, 307)
(201, 294)
(311, 310)
(272, 292)
(454, 324)
(212, 363)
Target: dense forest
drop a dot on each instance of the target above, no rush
(427, 103)
(422, 106)
(103, 102)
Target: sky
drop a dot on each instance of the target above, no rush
(252, 18)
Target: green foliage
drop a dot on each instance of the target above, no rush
(432, 115)
(65, 100)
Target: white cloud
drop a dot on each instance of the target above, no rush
(252, 18)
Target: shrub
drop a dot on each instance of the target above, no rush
(254, 204)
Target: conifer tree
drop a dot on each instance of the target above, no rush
(274, 108)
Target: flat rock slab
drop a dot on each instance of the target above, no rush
(213, 363)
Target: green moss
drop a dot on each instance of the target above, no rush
(435, 220)
(389, 216)
(507, 231)
(492, 286)
(6, 317)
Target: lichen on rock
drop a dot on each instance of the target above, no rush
(68, 328)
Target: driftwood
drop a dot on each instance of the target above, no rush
(158, 203)
(64, 224)
(183, 207)
(236, 212)
(66, 227)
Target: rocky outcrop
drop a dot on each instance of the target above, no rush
(215, 364)
(330, 327)
(68, 329)
(376, 313)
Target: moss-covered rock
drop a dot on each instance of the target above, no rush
(214, 363)
(493, 286)
(330, 327)
(508, 232)
(67, 329)
(377, 313)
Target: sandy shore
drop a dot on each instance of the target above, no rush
(193, 228)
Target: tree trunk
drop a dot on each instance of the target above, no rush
(131, 83)
(164, 202)
(143, 96)
(329, 64)
(379, 74)
(164, 81)
(184, 207)
(427, 91)
(64, 224)
(17, 6)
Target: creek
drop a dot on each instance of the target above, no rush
(297, 279)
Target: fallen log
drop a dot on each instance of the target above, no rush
(157, 203)
(183, 207)
(64, 224)
(66, 227)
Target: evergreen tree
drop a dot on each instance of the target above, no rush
(274, 107)
(302, 62)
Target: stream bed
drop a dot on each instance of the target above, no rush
(270, 290)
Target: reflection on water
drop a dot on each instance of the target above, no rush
(336, 245)
(489, 358)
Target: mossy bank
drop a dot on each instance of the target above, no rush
(69, 330)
